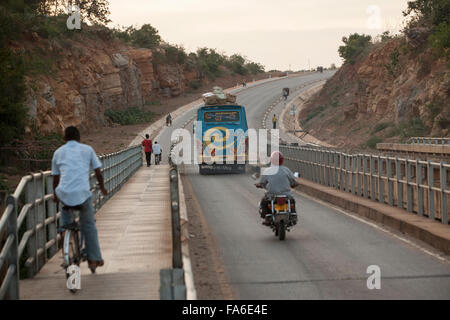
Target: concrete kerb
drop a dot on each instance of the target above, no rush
(191, 293)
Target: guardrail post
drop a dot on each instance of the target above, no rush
(322, 169)
(30, 197)
(317, 171)
(408, 186)
(41, 233)
(443, 171)
(341, 171)
(335, 170)
(358, 157)
(430, 173)
(380, 180)
(372, 178)
(353, 174)
(389, 182)
(365, 172)
(13, 255)
(51, 213)
(347, 173)
(419, 188)
(398, 174)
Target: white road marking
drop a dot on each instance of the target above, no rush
(374, 225)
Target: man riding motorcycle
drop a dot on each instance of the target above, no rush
(277, 180)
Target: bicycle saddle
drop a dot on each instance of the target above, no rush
(78, 207)
(71, 226)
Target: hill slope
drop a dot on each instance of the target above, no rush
(393, 91)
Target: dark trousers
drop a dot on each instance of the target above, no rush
(274, 124)
(148, 156)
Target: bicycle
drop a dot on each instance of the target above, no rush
(74, 251)
(157, 158)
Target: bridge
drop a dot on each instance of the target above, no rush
(325, 257)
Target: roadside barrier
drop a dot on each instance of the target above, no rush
(29, 223)
(420, 187)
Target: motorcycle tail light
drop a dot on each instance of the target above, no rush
(281, 201)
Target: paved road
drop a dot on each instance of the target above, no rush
(324, 257)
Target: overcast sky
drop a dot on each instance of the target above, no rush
(276, 33)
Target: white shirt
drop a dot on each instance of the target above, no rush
(156, 148)
(73, 163)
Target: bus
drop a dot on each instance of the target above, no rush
(222, 140)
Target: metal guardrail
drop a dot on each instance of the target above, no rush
(172, 286)
(420, 187)
(176, 224)
(424, 140)
(29, 222)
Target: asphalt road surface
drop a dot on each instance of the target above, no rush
(325, 256)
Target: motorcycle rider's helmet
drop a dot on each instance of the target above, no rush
(276, 158)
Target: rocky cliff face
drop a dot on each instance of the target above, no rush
(395, 91)
(90, 76)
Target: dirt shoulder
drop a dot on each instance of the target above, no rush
(209, 277)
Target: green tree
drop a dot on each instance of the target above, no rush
(434, 14)
(254, 68)
(12, 71)
(353, 46)
(431, 11)
(236, 63)
(440, 39)
(145, 37)
(175, 54)
(12, 110)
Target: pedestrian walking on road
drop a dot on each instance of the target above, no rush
(274, 121)
(169, 120)
(147, 144)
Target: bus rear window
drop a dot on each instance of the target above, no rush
(221, 116)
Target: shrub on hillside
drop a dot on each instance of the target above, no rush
(353, 46)
(129, 116)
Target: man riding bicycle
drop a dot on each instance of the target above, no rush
(157, 151)
(71, 165)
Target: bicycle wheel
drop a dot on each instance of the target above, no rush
(71, 249)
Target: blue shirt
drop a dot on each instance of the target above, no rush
(277, 180)
(73, 163)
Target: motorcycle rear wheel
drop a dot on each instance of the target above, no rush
(281, 231)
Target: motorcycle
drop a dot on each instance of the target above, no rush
(281, 216)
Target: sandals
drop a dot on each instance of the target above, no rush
(94, 264)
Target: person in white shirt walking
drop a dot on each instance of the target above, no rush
(157, 151)
(71, 166)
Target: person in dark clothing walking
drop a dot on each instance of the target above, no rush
(147, 144)
(169, 120)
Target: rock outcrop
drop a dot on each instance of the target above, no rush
(90, 76)
(386, 93)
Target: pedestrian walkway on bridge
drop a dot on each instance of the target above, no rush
(135, 237)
